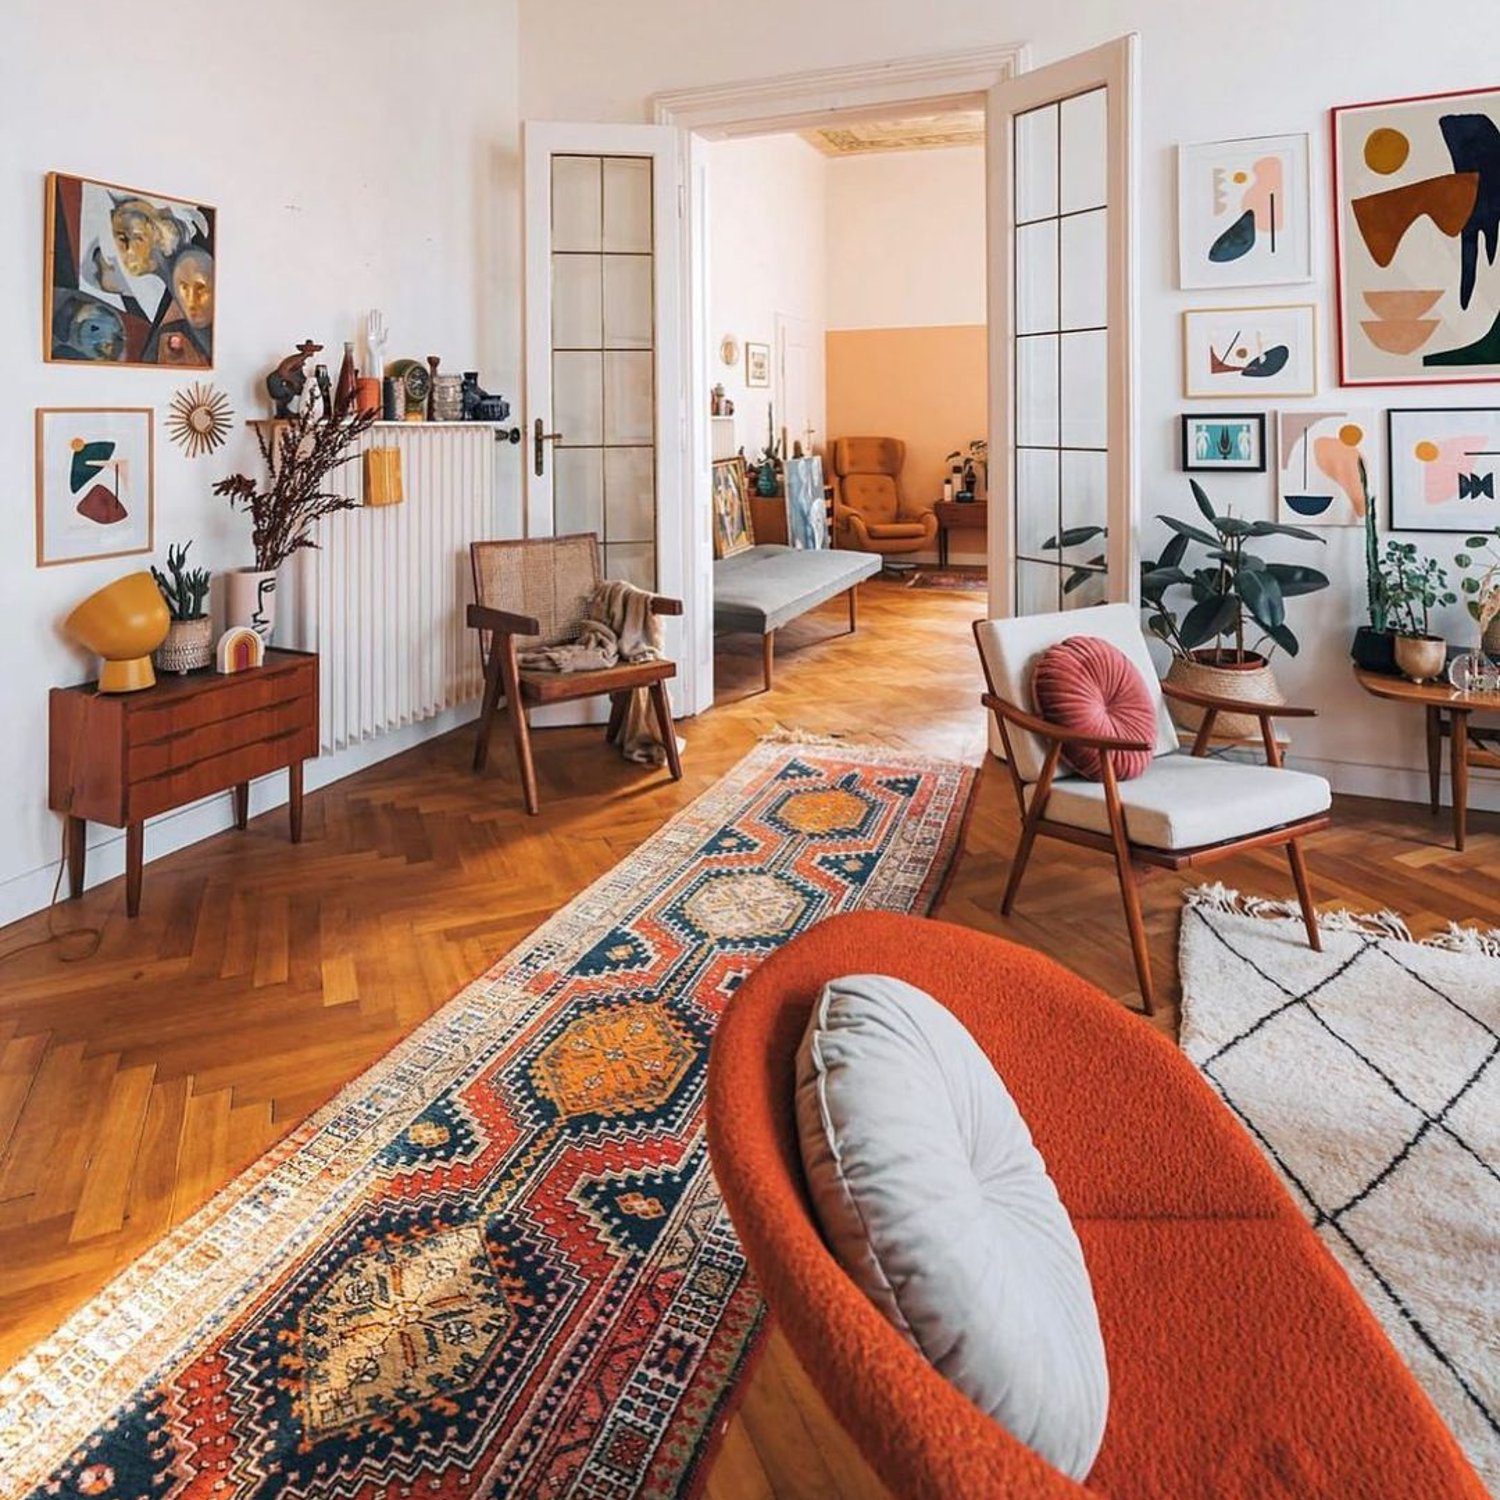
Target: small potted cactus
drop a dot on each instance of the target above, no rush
(190, 637)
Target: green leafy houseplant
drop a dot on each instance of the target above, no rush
(186, 590)
(1480, 565)
(1414, 587)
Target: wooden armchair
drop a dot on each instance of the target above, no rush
(535, 593)
(1186, 810)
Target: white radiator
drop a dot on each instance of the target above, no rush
(382, 597)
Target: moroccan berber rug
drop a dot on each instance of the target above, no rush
(1369, 1075)
(497, 1263)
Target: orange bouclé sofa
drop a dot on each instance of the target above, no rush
(870, 514)
(1243, 1365)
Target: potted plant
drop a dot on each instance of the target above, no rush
(1481, 587)
(1374, 648)
(1224, 642)
(299, 453)
(190, 636)
(1414, 587)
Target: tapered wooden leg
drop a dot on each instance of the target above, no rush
(618, 702)
(663, 706)
(77, 835)
(294, 800)
(1304, 895)
(1129, 894)
(241, 790)
(1458, 749)
(1434, 756)
(492, 682)
(135, 849)
(1018, 866)
(520, 727)
(768, 658)
(853, 608)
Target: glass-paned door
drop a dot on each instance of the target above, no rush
(1061, 334)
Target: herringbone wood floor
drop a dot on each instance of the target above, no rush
(259, 978)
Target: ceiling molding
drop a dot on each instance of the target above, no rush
(797, 101)
(913, 133)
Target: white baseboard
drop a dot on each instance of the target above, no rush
(1398, 783)
(32, 890)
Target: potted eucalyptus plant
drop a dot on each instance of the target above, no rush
(1236, 618)
(190, 636)
(1414, 587)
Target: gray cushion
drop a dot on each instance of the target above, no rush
(932, 1197)
(765, 587)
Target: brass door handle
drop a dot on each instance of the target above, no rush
(540, 438)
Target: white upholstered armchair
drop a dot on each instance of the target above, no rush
(1185, 810)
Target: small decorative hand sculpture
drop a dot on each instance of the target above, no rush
(375, 342)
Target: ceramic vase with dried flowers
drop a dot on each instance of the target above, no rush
(299, 454)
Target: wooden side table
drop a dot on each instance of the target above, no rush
(120, 758)
(959, 515)
(1448, 713)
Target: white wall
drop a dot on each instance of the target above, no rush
(1207, 72)
(767, 252)
(360, 154)
(906, 238)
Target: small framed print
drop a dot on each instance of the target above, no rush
(1445, 468)
(94, 482)
(1223, 440)
(757, 364)
(1328, 466)
(1250, 352)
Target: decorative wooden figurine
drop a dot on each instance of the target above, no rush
(284, 384)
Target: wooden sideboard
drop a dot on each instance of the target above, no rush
(959, 515)
(120, 758)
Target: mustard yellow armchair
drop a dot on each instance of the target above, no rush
(870, 513)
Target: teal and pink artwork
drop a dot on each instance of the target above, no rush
(1244, 212)
(130, 276)
(1417, 223)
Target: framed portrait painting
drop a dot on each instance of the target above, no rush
(1250, 352)
(94, 483)
(1328, 466)
(1244, 212)
(1233, 441)
(129, 276)
(1417, 285)
(1445, 468)
(733, 531)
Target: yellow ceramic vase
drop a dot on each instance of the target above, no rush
(124, 622)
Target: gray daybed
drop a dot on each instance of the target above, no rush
(765, 587)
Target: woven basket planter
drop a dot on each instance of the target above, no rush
(1250, 681)
(188, 647)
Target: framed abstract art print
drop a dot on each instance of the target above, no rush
(94, 478)
(1328, 466)
(1415, 185)
(1247, 353)
(1445, 468)
(1224, 441)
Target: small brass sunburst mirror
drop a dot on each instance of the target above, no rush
(199, 419)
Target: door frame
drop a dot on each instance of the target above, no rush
(954, 80)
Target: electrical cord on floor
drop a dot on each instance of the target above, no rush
(92, 936)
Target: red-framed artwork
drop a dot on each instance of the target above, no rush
(1416, 209)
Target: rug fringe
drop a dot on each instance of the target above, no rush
(1377, 924)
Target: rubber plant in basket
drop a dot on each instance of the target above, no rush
(190, 637)
(299, 453)
(1236, 618)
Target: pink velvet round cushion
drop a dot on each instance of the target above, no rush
(1084, 683)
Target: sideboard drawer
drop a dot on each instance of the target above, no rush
(217, 773)
(177, 752)
(149, 718)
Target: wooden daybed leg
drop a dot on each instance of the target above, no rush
(1304, 895)
(853, 608)
(663, 706)
(768, 658)
(488, 706)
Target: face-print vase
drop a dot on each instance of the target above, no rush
(252, 601)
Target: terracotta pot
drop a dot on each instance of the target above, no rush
(252, 601)
(1423, 658)
(189, 646)
(367, 395)
(1251, 680)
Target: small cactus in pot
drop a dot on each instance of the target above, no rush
(189, 645)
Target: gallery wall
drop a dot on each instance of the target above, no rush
(906, 330)
(1206, 74)
(768, 222)
(353, 163)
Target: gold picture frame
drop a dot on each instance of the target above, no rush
(89, 466)
(734, 531)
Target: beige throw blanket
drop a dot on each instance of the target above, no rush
(618, 626)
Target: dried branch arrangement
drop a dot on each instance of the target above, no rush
(299, 454)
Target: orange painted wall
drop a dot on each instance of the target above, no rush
(926, 385)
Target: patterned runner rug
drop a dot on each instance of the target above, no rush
(497, 1263)
(1370, 1075)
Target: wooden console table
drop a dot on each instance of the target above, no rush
(959, 515)
(1448, 713)
(120, 758)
